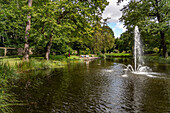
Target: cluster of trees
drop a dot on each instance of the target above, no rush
(54, 26)
(152, 18)
(59, 26)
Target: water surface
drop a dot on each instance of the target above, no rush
(95, 87)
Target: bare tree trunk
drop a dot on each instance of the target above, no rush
(26, 46)
(163, 42)
(165, 54)
(48, 47)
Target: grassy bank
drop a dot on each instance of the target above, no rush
(112, 55)
(158, 59)
(33, 64)
(8, 77)
(118, 55)
(37, 62)
(10, 69)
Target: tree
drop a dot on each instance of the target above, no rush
(26, 46)
(151, 16)
(124, 43)
(12, 22)
(109, 39)
(103, 39)
(48, 22)
(74, 18)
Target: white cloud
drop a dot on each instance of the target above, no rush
(113, 11)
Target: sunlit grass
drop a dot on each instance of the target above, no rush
(73, 57)
(33, 64)
(10, 61)
(118, 55)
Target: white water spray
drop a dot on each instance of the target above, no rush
(139, 67)
(138, 51)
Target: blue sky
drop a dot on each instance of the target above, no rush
(116, 29)
(113, 11)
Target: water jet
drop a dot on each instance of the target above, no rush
(139, 64)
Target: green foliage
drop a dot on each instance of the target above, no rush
(70, 24)
(118, 55)
(12, 21)
(85, 52)
(124, 43)
(158, 59)
(34, 64)
(7, 78)
(58, 57)
(72, 57)
(1, 52)
(102, 56)
(7, 72)
(103, 40)
(151, 16)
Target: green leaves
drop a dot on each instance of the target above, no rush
(151, 16)
(61, 19)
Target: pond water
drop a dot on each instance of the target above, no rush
(96, 86)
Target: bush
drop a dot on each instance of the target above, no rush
(58, 57)
(87, 52)
(156, 50)
(158, 59)
(116, 51)
(102, 56)
(7, 72)
(1, 52)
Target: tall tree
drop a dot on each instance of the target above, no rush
(151, 16)
(103, 39)
(26, 46)
(12, 21)
(73, 18)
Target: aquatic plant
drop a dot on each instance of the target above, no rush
(7, 77)
(7, 100)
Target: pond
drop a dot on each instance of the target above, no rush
(96, 86)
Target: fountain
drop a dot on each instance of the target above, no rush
(139, 64)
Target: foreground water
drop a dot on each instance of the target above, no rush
(96, 86)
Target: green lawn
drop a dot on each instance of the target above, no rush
(118, 55)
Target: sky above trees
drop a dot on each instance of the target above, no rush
(113, 11)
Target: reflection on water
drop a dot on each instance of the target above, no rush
(93, 87)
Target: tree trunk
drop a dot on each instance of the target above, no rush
(160, 47)
(78, 51)
(163, 43)
(2, 41)
(48, 47)
(165, 54)
(26, 46)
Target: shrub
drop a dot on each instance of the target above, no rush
(7, 72)
(102, 56)
(58, 57)
(116, 51)
(87, 52)
(156, 50)
(1, 52)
